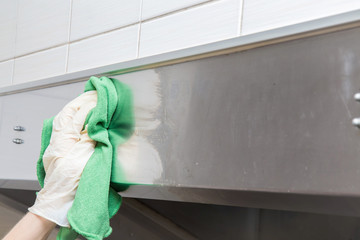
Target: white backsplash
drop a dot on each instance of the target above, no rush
(40, 38)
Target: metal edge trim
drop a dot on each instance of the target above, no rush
(19, 184)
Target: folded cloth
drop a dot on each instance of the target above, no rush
(110, 123)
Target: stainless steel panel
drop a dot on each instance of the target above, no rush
(269, 127)
(276, 118)
(152, 219)
(336, 204)
(222, 222)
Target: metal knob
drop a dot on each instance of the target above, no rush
(357, 97)
(18, 141)
(19, 128)
(356, 122)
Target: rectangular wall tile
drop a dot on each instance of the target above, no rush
(8, 11)
(91, 17)
(199, 25)
(42, 24)
(261, 15)
(6, 73)
(154, 8)
(40, 65)
(108, 48)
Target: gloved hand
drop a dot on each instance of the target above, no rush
(64, 160)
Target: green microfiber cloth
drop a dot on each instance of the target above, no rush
(110, 123)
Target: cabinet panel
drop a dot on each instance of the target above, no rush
(29, 109)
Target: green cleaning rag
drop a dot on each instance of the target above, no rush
(110, 124)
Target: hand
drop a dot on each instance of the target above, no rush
(31, 227)
(64, 160)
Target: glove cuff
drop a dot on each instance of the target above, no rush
(54, 210)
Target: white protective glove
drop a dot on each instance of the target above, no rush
(64, 160)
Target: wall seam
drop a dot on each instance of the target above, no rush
(103, 33)
(180, 10)
(13, 73)
(16, 36)
(139, 31)
(68, 42)
(41, 50)
(7, 59)
(241, 19)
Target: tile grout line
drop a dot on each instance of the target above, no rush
(105, 32)
(68, 42)
(181, 10)
(13, 72)
(241, 18)
(39, 51)
(16, 36)
(139, 31)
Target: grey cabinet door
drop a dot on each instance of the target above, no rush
(28, 109)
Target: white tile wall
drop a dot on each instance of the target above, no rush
(90, 17)
(116, 46)
(6, 73)
(42, 24)
(37, 32)
(8, 11)
(204, 24)
(260, 15)
(153, 8)
(40, 65)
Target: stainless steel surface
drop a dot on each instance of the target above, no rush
(220, 222)
(272, 119)
(134, 220)
(153, 219)
(313, 27)
(19, 128)
(336, 204)
(19, 184)
(268, 128)
(176, 231)
(18, 141)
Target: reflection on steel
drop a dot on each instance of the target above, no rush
(139, 159)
